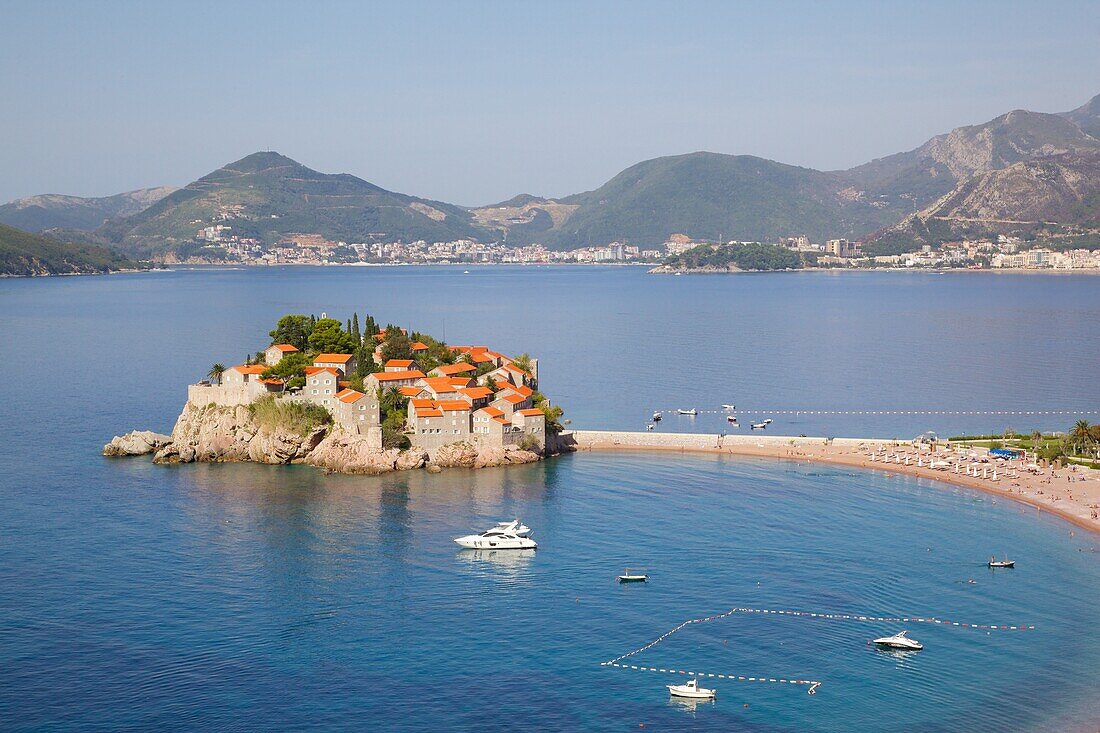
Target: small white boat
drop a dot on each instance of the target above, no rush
(691, 689)
(731, 418)
(759, 425)
(1006, 563)
(465, 272)
(633, 575)
(504, 536)
(899, 640)
(730, 407)
(691, 412)
(657, 417)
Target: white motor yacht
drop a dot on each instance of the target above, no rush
(730, 407)
(515, 527)
(657, 417)
(499, 538)
(691, 689)
(899, 640)
(692, 412)
(758, 425)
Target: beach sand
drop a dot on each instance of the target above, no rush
(1071, 493)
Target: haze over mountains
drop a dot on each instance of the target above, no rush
(1016, 171)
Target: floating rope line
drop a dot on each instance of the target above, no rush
(813, 684)
(888, 412)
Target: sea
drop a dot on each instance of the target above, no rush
(137, 597)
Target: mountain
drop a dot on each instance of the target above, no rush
(713, 196)
(1086, 117)
(704, 195)
(23, 253)
(270, 197)
(50, 211)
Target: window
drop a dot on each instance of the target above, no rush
(314, 391)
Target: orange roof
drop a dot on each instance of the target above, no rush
(476, 393)
(249, 368)
(531, 412)
(428, 412)
(453, 405)
(349, 395)
(419, 346)
(272, 381)
(409, 391)
(513, 398)
(438, 384)
(519, 388)
(406, 363)
(448, 370)
(285, 348)
(514, 368)
(332, 358)
(422, 403)
(397, 376)
(491, 411)
(310, 371)
(460, 381)
(480, 357)
(501, 420)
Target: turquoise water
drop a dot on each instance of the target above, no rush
(235, 596)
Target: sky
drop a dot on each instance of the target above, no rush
(472, 103)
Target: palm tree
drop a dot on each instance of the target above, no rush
(1081, 435)
(216, 372)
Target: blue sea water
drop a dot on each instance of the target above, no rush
(138, 597)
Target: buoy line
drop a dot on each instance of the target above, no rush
(887, 412)
(813, 684)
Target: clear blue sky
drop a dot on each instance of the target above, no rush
(475, 102)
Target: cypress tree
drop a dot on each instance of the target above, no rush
(355, 329)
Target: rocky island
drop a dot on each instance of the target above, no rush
(360, 401)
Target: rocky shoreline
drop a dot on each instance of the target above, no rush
(213, 434)
(709, 270)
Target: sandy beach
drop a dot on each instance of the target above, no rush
(1072, 493)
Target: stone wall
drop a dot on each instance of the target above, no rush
(225, 395)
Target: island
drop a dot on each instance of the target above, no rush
(361, 401)
(23, 254)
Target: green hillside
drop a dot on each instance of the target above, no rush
(23, 253)
(713, 196)
(269, 196)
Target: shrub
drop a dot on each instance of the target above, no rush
(300, 418)
(529, 442)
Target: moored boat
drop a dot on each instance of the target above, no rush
(899, 640)
(691, 689)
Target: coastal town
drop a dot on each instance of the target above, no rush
(361, 400)
(1001, 252)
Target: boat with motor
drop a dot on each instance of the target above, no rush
(899, 640)
(691, 689)
(731, 418)
(519, 529)
(730, 407)
(1005, 563)
(693, 412)
(633, 575)
(657, 417)
(499, 538)
(758, 425)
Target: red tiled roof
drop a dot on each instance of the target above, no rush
(409, 391)
(272, 381)
(453, 405)
(514, 398)
(491, 411)
(422, 403)
(397, 376)
(516, 369)
(531, 412)
(285, 348)
(332, 358)
(459, 381)
(438, 384)
(310, 371)
(449, 370)
(399, 363)
(428, 412)
(476, 393)
(502, 421)
(349, 395)
(419, 346)
(249, 368)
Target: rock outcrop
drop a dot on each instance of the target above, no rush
(215, 434)
(136, 443)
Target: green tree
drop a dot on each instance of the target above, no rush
(364, 360)
(523, 361)
(397, 345)
(292, 365)
(293, 330)
(553, 415)
(328, 337)
(216, 372)
(1081, 436)
(356, 336)
(394, 410)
